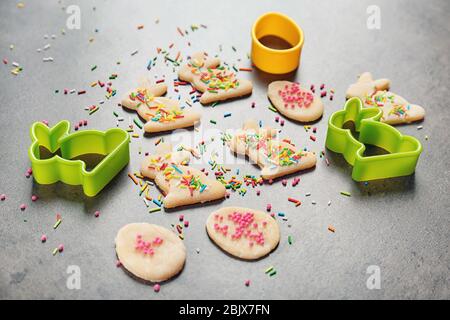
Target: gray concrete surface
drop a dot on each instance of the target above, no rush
(400, 225)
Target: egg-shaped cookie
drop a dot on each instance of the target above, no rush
(150, 252)
(242, 232)
(294, 101)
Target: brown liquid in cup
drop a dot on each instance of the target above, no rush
(275, 42)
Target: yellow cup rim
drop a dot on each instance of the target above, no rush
(295, 25)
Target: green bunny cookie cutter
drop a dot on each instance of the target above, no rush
(113, 144)
(404, 151)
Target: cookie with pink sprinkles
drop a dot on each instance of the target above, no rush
(150, 252)
(294, 101)
(242, 232)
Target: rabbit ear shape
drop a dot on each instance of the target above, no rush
(157, 90)
(382, 84)
(49, 137)
(365, 77)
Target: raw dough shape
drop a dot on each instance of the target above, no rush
(276, 158)
(242, 232)
(374, 93)
(214, 81)
(142, 254)
(294, 101)
(181, 184)
(160, 113)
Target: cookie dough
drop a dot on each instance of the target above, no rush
(275, 157)
(294, 101)
(374, 93)
(242, 232)
(150, 252)
(215, 82)
(160, 113)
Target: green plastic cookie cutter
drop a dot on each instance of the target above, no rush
(404, 151)
(113, 144)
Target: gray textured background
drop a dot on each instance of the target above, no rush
(401, 225)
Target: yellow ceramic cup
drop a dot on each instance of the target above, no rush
(273, 60)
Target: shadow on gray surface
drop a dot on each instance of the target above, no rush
(405, 184)
(76, 194)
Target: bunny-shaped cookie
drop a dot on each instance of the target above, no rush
(276, 158)
(161, 114)
(214, 81)
(180, 183)
(374, 93)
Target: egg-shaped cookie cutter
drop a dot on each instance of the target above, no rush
(273, 60)
(113, 144)
(403, 151)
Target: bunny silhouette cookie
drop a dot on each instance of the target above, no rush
(244, 233)
(181, 184)
(214, 81)
(276, 158)
(161, 114)
(374, 93)
(150, 252)
(294, 101)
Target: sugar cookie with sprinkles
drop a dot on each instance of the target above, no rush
(242, 232)
(150, 252)
(275, 157)
(160, 113)
(181, 184)
(375, 93)
(216, 82)
(294, 101)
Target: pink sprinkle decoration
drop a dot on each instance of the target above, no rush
(43, 238)
(181, 217)
(118, 264)
(284, 182)
(277, 118)
(269, 207)
(61, 248)
(34, 197)
(258, 192)
(247, 283)
(282, 122)
(157, 287)
(97, 214)
(23, 206)
(186, 223)
(3, 197)
(313, 138)
(29, 171)
(294, 96)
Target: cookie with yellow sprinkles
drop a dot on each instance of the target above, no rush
(181, 184)
(214, 81)
(160, 113)
(275, 157)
